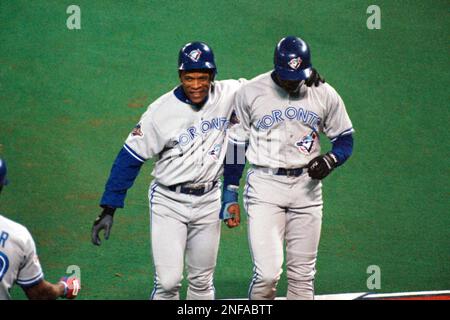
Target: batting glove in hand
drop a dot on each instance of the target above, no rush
(230, 211)
(72, 287)
(103, 221)
(321, 166)
(314, 79)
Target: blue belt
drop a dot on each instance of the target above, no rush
(196, 191)
(288, 172)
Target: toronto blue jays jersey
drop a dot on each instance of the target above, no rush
(19, 262)
(187, 142)
(283, 129)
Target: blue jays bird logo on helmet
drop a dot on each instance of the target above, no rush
(295, 63)
(194, 55)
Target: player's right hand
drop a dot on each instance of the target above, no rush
(72, 287)
(103, 221)
(230, 211)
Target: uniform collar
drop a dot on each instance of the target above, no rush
(179, 93)
(300, 93)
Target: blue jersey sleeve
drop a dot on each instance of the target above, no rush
(234, 164)
(343, 148)
(123, 173)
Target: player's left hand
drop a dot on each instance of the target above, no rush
(71, 287)
(321, 166)
(230, 211)
(314, 79)
(103, 222)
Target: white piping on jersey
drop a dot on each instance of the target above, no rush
(233, 141)
(344, 133)
(30, 281)
(132, 153)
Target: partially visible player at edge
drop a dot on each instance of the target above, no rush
(19, 262)
(185, 131)
(280, 118)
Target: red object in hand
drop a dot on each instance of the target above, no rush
(72, 287)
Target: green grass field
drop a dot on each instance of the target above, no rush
(69, 98)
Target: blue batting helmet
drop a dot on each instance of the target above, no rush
(196, 56)
(292, 59)
(3, 180)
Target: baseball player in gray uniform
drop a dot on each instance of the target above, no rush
(19, 262)
(185, 132)
(280, 119)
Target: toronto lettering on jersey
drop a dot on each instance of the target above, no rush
(204, 127)
(290, 113)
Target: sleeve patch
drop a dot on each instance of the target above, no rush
(137, 131)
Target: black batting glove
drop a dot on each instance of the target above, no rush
(321, 166)
(103, 221)
(314, 79)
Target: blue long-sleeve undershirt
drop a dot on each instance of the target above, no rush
(343, 148)
(234, 164)
(123, 174)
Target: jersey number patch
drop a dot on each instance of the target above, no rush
(4, 265)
